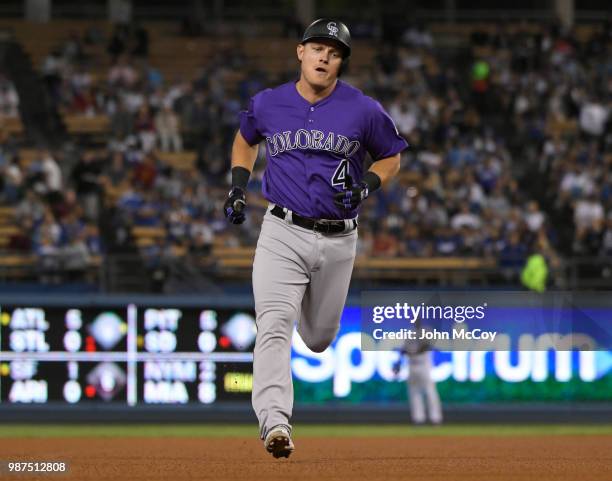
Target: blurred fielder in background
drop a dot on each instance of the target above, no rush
(422, 392)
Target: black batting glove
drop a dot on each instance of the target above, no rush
(352, 195)
(234, 206)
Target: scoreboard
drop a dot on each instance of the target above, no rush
(145, 351)
(130, 354)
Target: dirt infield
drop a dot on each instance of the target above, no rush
(449, 458)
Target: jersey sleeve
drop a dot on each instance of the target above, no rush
(382, 138)
(249, 122)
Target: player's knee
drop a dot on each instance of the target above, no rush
(275, 325)
(320, 342)
(318, 347)
(276, 313)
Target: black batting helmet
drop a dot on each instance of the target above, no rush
(330, 29)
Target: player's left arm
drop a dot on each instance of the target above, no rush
(379, 173)
(385, 144)
(386, 168)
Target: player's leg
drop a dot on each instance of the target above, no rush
(279, 281)
(325, 296)
(434, 406)
(417, 403)
(417, 381)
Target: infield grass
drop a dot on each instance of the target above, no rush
(307, 430)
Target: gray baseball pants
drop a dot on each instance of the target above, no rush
(298, 275)
(422, 390)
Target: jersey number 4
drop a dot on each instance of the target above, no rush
(341, 173)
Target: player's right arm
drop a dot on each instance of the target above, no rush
(243, 160)
(243, 154)
(397, 365)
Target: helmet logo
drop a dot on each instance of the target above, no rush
(333, 29)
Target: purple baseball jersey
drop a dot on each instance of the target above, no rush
(311, 147)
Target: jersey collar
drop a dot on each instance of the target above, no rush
(306, 103)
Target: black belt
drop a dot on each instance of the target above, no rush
(317, 225)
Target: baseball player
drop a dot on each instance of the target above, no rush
(317, 132)
(422, 389)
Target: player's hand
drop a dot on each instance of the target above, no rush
(234, 206)
(352, 195)
(396, 368)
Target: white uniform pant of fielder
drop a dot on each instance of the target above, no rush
(422, 391)
(298, 275)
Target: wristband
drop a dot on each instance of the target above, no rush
(372, 180)
(240, 177)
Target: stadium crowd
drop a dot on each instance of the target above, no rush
(508, 156)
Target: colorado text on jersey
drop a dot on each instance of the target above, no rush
(311, 139)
